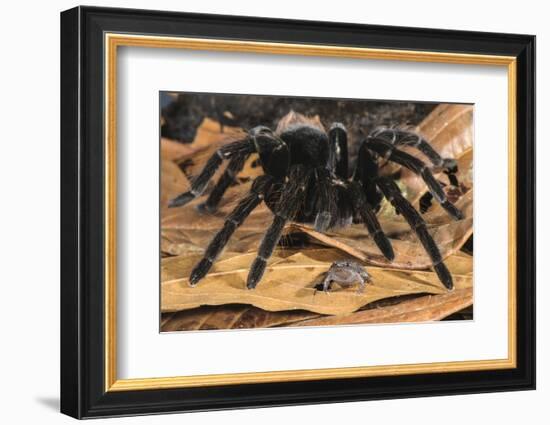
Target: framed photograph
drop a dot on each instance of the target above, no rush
(261, 212)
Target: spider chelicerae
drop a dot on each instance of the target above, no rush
(307, 180)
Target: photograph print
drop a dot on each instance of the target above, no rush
(283, 211)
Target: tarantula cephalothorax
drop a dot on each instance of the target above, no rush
(307, 180)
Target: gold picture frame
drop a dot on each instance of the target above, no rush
(114, 41)
(113, 35)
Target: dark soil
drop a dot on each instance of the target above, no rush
(184, 112)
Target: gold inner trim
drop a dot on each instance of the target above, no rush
(110, 214)
(113, 41)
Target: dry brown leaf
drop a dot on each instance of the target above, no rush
(291, 275)
(209, 138)
(400, 309)
(288, 283)
(186, 229)
(251, 169)
(421, 309)
(172, 182)
(449, 129)
(171, 150)
(208, 134)
(230, 317)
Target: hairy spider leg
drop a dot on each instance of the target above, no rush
(289, 203)
(338, 150)
(274, 153)
(311, 199)
(365, 198)
(274, 158)
(408, 138)
(228, 177)
(417, 223)
(326, 199)
(425, 201)
(365, 211)
(448, 165)
(238, 148)
(384, 148)
(260, 187)
(366, 171)
(327, 185)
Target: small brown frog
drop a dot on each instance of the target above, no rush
(345, 273)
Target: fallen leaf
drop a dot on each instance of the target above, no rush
(209, 133)
(412, 308)
(421, 309)
(288, 284)
(251, 169)
(449, 130)
(171, 150)
(230, 317)
(208, 139)
(172, 182)
(287, 288)
(186, 228)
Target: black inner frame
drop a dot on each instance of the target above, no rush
(82, 212)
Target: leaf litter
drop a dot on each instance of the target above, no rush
(286, 295)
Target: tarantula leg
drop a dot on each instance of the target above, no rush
(417, 223)
(453, 180)
(311, 199)
(418, 167)
(228, 177)
(321, 192)
(291, 200)
(415, 140)
(326, 200)
(238, 148)
(267, 246)
(260, 187)
(338, 150)
(362, 207)
(425, 201)
(366, 172)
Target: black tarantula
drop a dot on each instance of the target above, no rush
(306, 179)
